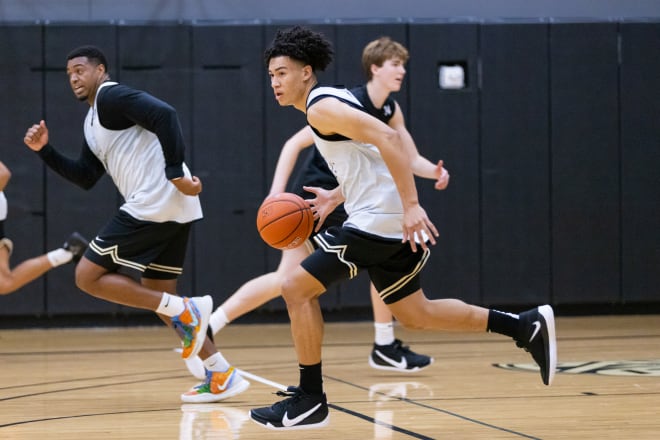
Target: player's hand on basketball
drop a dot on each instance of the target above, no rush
(36, 136)
(443, 176)
(190, 186)
(324, 202)
(416, 224)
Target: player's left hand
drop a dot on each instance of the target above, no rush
(190, 186)
(443, 176)
(416, 224)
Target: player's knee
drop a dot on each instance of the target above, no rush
(83, 279)
(294, 292)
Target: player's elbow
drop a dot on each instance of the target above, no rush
(391, 136)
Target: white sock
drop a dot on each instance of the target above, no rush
(59, 257)
(218, 320)
(170, 305)
(384, 333)
(216, 362)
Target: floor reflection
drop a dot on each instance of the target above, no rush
(381, 393)
(211, 421)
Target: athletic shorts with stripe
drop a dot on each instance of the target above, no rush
(158, 250)
(341, 252)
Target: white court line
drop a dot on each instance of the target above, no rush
(261, 379)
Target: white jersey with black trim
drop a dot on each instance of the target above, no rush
(372, 201)
(133, 158)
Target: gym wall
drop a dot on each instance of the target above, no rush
(552, 146)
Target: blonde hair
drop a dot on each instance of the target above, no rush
(381, 50)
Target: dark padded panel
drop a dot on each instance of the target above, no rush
(69, 207)
(20, 62)
(585, 153)
(444, 124)
(640, 161)
(515, 211)
(228, 143)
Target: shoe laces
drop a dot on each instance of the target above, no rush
(293, 394)
(398, 346)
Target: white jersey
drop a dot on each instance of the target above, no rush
(133, 158)
(372, 201)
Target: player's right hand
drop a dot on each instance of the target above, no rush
(36, 136)
(190, 186)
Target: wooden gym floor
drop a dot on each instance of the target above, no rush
(124, 383)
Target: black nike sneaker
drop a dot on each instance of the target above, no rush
(77, 245)
(536, 334)
(299, 411)
(398, 357)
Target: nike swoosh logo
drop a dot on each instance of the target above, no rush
(537, 327)
(402, 364)
(329, 234)
(292, 422)
(228, 380)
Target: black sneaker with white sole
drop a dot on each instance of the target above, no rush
(398, 357)
(299, 411)
(77, 245)
(536, 334)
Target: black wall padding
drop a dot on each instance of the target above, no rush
(585, 155)
(69, 207)
(20, 107)
(640, 161)
(445, 124)
(515, 211)
(228, 135)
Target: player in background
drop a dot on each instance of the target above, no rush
(32, 268)
(383, 62)
(136, 139)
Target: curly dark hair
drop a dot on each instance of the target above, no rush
(301, 44)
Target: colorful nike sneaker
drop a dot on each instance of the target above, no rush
(191, 324)
(217, 386)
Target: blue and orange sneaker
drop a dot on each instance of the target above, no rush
(191, 324)
(218, 386)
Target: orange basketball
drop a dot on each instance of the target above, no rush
(285, 221)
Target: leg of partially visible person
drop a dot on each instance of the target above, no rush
(389, 353)
(24, 273)
(32, 268)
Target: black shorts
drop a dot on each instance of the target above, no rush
(158, 250)
(341, 253)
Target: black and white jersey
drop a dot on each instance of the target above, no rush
(385, 113)
(372, 201)
(316, 172)
(137, 140)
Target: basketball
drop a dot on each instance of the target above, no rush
(285, 221)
